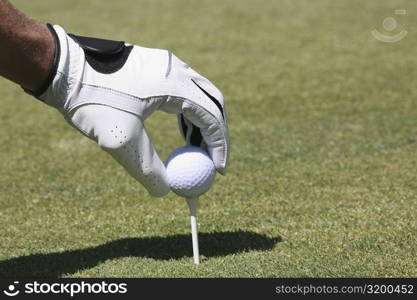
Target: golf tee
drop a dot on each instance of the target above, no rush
(192, 204)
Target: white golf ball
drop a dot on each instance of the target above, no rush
(190, 171)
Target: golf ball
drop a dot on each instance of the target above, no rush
(190, 171)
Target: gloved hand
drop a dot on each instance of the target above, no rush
(107, 89)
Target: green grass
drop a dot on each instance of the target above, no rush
(322, 180)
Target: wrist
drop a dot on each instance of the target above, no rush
(49, 45)
(42, 60)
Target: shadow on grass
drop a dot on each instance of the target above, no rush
(161, 248)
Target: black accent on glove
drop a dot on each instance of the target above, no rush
(104, 56)
(195, 139)
(211, 98)
(183, 126)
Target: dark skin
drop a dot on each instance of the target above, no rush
(26, 48)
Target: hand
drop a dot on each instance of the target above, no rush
(107, 89)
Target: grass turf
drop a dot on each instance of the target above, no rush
(322, 180)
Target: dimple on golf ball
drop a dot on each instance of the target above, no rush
(190, 171)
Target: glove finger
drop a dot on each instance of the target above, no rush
(201, 111)
(206, 131)
(124, 137)
(200, 128)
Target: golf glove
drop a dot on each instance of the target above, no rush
(107, 89)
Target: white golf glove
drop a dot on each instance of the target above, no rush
(107, 89)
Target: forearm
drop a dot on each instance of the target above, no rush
(26, 48)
